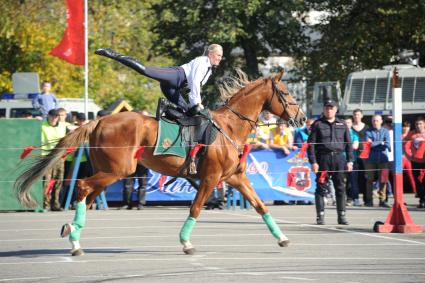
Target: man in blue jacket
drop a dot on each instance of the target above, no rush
(377, 161)
(46, 100)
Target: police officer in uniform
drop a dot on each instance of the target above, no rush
(328, 140)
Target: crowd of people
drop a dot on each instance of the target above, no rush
(335, 147)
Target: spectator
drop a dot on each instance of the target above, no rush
(27, 115)
(414, 148)
(328, 139)
(51, 133)
(102, 113)
(254, 139)
(62, 120)
(267, 123)
(360, 129)
(81, 119)
(388, 174)
(281, 137)
(352, 184)
(301, 134)
(141, 176)
(46, 100)
(377, 161)
(405, 129)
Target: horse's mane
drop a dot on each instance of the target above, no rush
(233, 84)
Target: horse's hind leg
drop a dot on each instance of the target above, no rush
(87, 186)
(242, 183)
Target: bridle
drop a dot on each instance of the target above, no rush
(282, 97)
(292, 121)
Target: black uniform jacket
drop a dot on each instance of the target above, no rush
(326, 138)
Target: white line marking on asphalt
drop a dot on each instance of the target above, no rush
(373, 235)
(25, 278)
(182, 258)
(324, 227)
(298, 278)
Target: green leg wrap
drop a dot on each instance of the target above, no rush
(271, 224)
(79, 221)
(187, 229)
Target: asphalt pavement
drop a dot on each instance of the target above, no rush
(232, 246)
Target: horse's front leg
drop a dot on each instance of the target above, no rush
(205, 189)
(243, 185)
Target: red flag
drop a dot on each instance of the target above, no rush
(69, 150)
(323, 175)
(71, 47)
(162, 180)
(27, 151)
(195, 150)
(246, 149)
(139, 152)
(303, 150)
(366, 150)
(49, 187)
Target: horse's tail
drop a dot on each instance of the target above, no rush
(40, 166)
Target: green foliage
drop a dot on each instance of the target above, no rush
(30, 29)
(355, 35)
(248, 30)
(359, 35)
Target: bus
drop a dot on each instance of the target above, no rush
(371, 91)
(14, 106)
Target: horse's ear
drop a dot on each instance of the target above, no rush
(279, 76)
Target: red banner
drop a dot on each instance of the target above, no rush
(71, 47)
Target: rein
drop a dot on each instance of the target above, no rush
(243, 117)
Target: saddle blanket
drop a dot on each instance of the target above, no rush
(169, 140)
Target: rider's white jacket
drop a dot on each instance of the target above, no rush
(197, 73)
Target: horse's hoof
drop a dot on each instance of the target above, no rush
(189, 251)
(77, 252)
(283, 243)
(66, 230)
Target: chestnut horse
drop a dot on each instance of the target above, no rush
(115, 139)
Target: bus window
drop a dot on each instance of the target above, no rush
(19, 112)
(2, 113)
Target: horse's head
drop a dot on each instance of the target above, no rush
(282, 104)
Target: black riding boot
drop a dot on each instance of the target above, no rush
(164, 105)
(123, 59)
(320, 209)
(340, 207)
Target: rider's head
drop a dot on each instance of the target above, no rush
(215, 54)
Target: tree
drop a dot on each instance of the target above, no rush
(248, 30)
(359, 35)
(30, 29)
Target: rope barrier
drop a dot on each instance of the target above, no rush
(153, 146)
(268, 173)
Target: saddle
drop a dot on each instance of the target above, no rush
(193, 130)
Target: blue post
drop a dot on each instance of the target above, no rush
(76, 164)
(101, 199)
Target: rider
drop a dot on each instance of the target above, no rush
(195, 74)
